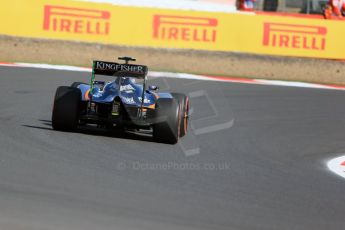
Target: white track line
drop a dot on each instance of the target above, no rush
(186, 76)
(337, 165)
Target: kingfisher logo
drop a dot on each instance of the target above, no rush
(76, 20)
(189, 29)
(295, 36)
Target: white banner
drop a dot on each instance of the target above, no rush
(199, 5)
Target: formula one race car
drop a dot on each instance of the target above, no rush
(121, 103)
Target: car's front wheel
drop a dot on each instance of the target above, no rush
(76, 84)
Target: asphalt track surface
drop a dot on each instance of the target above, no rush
(265, 171)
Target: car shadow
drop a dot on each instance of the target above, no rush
(94, 131)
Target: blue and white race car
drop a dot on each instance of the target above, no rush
(121, 103)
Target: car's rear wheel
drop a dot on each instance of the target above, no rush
(184, 107)
(66, 108)
(167, 127)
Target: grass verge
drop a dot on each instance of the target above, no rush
(175, 60)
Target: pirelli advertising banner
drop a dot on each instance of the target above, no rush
(132, 26)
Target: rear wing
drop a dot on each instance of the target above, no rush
(119, 70)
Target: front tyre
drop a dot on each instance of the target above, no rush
(66, 108)
(76, 84)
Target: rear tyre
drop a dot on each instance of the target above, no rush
(166, 129)
(66, 108)
(184, 107)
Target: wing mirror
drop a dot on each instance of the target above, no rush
(100, 84)
(153, 87)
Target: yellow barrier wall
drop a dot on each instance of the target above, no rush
(104, 23)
